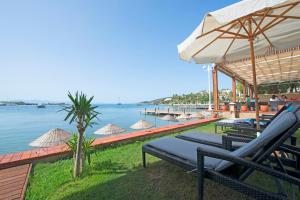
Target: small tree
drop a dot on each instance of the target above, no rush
(87, 147)
(82, 112)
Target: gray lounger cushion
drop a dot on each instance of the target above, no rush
(214, 138)
(186, 149)
(279, 125)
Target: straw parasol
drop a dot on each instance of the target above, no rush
(197, 115)
(141, 124)
(51, 138)
(183, 116)
(168, 118)
(109, 129)
(244, 30)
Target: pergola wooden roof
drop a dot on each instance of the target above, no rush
(274, 67)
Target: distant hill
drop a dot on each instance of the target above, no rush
(192, 98)
(4, 103)
(158, 101)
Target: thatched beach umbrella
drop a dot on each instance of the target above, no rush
(183, 116)
(109, 129)
(141, 124)
(197, 115)
(244, 30)
(168, 118)
(52, 138)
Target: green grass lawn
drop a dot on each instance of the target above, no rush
(116, 173)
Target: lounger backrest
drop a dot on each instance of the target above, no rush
(277, 127)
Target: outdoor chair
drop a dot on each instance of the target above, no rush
(217, 163)
(232, 140)
(248, 126)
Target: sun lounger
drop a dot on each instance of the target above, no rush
(216, 140)
(229, 141)
(249, 124)
(216, 163)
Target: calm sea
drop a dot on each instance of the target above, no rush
(19, 125)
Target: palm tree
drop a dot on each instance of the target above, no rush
(82, 112)
(87, 146)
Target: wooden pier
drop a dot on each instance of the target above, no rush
(166, 112)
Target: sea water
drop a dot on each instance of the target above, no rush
(20, 125)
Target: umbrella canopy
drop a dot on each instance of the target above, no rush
(197, 115)
(52, 138)
(223, 34)
(141, 124)
(183, 116)
(242, 30)
(109, 129)
(168, 118)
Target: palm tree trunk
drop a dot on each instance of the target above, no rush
(78, 156)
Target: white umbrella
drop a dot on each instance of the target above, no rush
(52, 138)
(197, 115)
(109, 129)
(211, 41)
(232, 33)
(183, 116)
(141, 124)
(168, 118)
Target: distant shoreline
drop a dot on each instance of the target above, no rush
(22, 103)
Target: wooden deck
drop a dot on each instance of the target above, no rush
(13, 182)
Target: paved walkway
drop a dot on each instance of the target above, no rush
(13, 182)
(26, 157)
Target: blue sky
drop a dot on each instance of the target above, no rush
(110, 49)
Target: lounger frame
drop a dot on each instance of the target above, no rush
(237, 183)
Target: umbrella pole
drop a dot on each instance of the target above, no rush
(254, 81)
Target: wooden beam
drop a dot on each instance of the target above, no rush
(243, 26)
(273, 22)
(233, 33)
(230, 73)
(278, 16)
(233, 23)
(215, 88)
(232, 42)
(262, 19)
(233, 89)
(257, 26)
(216, 38)
(232, 37)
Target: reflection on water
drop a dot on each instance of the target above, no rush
(19, 125)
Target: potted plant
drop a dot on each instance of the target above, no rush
(244, 107)
(215, 115)
(264, 108)
(225, 107)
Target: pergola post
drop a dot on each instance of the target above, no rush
(252, 57)
(250, 92)
(233, 89)
(215, 88)
(244, 89)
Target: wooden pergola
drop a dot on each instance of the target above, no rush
(274, 67)
(255, 48)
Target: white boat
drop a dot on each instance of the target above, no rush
(41, 106)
